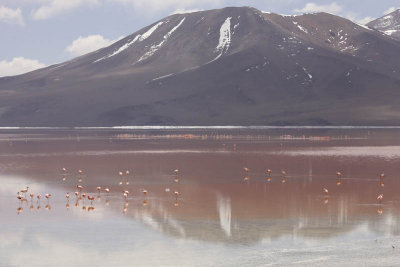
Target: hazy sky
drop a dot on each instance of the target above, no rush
(36, 33)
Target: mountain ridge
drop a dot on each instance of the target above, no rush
(231, 66)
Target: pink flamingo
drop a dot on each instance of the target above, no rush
(19, 196)
(24, 191)
(48, 196)
(91, 198)
(325, 191)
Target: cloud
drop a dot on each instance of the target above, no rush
(11, 16)
(162, 5)
(364, 21)
(390, 10)
(184, 11)
(332, 8)
(19, 65)
(84, 45)
(55, 7)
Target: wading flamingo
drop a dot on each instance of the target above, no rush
(24, 191)
(379, 198)
(325, 191)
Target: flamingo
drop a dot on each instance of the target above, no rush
(176, 171)
(283, 173)
(67, 196)
(269, 172)
(382, 175)
(167, 189)
(246, 169)
(48, 196)
(127, 172)
(338, 174)
(379, 198)
(19, 196)
(38, 197)
(176, 193)
(91, 198)
(107, 190)
(31, 195)
(83, 195)
(126, 194)
(24, 191)
(120, 173)
(64, 169)
(80, 172)
(76, 194)
(79, 187)
(144, 191)
(98, 189)
(325, 191)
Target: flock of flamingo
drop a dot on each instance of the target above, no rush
(339, 176)
(81, 196)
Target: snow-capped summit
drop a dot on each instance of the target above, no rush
(388, 24)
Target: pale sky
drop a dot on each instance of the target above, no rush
(38, 33)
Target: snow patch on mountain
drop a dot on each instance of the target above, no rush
(147, 34)
(224, 38)
(153, 49)
(140, 38)
(119, 50)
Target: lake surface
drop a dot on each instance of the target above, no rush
(222, 214)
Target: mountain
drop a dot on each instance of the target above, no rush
(388, 24)
(230, 66)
